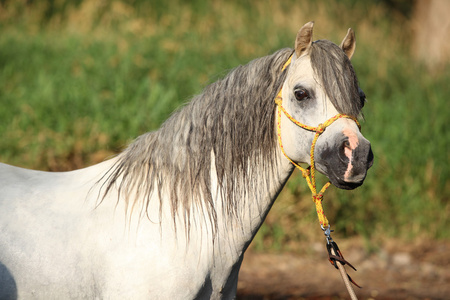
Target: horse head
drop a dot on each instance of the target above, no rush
(321, 88)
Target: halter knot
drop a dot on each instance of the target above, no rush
(305, 172)
(278, 99)
(320, 128)
(317, 198)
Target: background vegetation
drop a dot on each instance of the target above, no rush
(81, 79)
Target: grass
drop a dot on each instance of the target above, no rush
(80, 81)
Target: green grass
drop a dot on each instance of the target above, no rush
(79, 82)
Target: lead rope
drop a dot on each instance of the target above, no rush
(335, 256)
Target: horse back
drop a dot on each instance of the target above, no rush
(43, 217)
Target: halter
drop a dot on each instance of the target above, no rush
(308, 173)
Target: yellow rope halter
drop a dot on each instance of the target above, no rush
(309, 173)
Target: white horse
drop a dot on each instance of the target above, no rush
(171, 216)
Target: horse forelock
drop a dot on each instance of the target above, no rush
(338, 77)
(230, 127)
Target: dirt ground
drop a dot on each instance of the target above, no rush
(415, 270)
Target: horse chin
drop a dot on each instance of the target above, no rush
(339, 181)
(345, 185)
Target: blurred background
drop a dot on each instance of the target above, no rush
(81, 79)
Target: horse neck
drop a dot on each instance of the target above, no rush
(240, 228)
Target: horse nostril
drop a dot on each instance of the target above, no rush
(346, 150)
(347, 144)
(370, 158)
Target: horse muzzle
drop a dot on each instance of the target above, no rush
(347, 162)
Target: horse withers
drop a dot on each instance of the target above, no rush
(172, 215)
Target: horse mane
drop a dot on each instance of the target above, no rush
(228, 127)
(230, 124)
(338, 77)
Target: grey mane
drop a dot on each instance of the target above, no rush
(339, 80)
(233, 119)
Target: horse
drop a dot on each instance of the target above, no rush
(171, 216)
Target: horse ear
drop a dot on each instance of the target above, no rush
(304, 39)
(349, 43)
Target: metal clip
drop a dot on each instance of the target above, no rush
(327, 232)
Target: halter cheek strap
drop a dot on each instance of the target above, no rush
(308, 173)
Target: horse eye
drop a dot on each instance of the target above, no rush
(301, 94)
